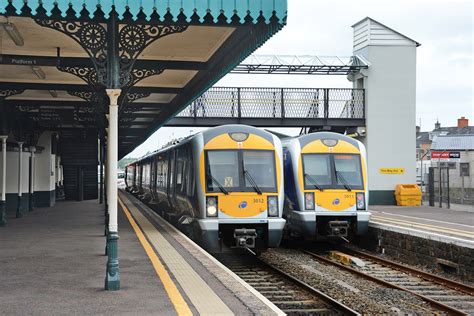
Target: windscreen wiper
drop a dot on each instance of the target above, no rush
(346, 184)
(314, 182)
(252, 181)
(219, 185)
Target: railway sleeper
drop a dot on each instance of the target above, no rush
(315, 311)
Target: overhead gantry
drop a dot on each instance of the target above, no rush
(77, 70)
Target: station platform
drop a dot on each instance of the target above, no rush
(444, 225)
(52, 262)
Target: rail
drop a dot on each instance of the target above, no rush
(278, 103)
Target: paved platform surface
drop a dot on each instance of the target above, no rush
(434, 221)
(52, 262)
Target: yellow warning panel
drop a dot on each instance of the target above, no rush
(392, 170)
(340, 257)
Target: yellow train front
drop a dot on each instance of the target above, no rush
(223, 187)
(326, 192)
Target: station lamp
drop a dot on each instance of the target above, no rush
(14, 34)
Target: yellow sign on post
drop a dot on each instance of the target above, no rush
(392, 170)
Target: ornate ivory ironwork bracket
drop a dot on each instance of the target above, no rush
(9, 92)
(94, 37)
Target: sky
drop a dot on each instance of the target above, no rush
(445, 74)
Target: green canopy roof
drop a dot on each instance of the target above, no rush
(191, 11)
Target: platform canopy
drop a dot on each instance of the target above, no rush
(53, 58)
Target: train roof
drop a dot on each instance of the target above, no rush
(304, 139)
(208, 134)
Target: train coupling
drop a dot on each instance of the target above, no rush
(245, 238)
(338, 228)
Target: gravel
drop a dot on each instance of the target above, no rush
(361, 295)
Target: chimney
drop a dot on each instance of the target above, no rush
(417, 129)
(463, 122)
(437, 125)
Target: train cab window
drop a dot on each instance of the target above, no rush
(348, 170)
(260, 164)
(316, 170)
(222, 170)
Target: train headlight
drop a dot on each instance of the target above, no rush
(360, 201)
(309, 201)
(272, 206)
(211, 206)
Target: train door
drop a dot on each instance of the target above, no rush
(134, 181)
(152, 178)
(172, 179)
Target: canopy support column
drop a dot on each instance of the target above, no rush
(112, 280)
(31, 197)
(3, 220)
(101, 173)
(19, 209)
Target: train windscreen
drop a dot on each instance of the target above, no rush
(260, 166)
(332, 171)
(240, 170)
(348, 170)
(222, 170)
(317, 170)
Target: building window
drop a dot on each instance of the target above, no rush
(450, 165)
(464, 169)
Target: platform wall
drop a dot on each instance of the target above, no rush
(421, 251)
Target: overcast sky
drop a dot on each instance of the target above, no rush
(445, 74)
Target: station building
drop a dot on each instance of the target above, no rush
(83, 83)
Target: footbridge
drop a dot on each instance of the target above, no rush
(276, 107)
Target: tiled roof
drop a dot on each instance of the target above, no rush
(422, 138)
(453, 142)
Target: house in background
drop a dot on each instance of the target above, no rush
(458, 138)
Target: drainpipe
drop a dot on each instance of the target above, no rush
(32, 178)
(112, 280)
(3, 199)
(19, 212)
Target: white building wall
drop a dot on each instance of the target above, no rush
(390, 87)
(12, 172)
(45, 165)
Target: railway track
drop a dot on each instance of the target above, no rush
(291, 295)
(442, 294)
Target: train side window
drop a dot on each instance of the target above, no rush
(179, 172)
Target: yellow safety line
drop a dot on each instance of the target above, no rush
(178, 301)
(428, 227)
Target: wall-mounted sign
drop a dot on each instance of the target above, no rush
(392, 170)
(445, 156)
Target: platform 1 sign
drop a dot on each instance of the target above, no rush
(446, 156)
(392, 170)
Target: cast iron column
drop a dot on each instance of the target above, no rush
(101, 173)
(112, 280)
(19, 211)
(3, 220)
(32, 179)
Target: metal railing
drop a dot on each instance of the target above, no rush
(291, 103)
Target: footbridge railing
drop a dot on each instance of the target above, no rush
(290, 107)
